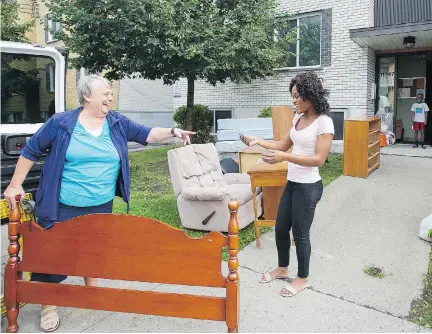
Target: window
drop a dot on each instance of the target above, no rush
(51, 28)
(50, 78)
(217, 115)
(27, 85)
(385, 103)
(338, 117)
(305, 50)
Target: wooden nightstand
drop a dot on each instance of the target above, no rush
(267, 176)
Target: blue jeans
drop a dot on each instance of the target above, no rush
(296, 210)
(66, 212)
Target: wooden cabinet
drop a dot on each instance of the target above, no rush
(282, 117)
(361, 146)
(272, 178)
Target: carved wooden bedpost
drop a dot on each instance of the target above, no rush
(11, 274)
(233, 284)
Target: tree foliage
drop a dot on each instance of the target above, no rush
(11, 29)
(265, 112)
(214, 40)
(202, 123)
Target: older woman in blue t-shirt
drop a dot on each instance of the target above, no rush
(86, 165)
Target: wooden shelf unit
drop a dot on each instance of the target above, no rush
(361, 146)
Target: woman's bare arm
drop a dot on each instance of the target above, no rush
(280, 145)
(322, 150)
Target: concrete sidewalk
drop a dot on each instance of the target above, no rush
(358, 223)
(407, 150)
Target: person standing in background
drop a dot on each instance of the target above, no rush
(419, 119)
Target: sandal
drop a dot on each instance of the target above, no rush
(290, 291)
(49, 316)
(268, 278)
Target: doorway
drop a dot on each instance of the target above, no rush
(411, 80)
(399, 78)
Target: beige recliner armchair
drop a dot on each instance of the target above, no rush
(203, 192)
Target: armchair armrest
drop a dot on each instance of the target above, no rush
(237, 178)
(203, 194)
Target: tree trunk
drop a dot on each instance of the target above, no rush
(190, 102)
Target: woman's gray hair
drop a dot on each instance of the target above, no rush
(86, 84)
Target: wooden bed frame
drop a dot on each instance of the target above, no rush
(123, 247)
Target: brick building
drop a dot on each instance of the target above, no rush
(358, 40)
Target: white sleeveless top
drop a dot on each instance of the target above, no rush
(304, 143)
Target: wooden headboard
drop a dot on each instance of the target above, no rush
(123, 247)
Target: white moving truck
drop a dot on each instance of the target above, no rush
(32, 89)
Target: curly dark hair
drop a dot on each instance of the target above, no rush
(310, 88)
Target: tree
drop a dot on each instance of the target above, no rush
(265, 112)
(11, 29)
(202, 123)
(214, 40)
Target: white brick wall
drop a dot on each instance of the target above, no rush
(145, 95)
(349, 77)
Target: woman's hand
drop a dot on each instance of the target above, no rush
(249, 140)
(11, 192)
(183, 134)
(274, 157)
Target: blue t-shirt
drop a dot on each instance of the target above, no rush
(91, 168)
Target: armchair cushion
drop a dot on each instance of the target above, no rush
(197, 160)
(203, 194)
(188, 162)
(237, 178)
(238, 192)
(241, 193)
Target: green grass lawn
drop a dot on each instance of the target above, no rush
(152, 194)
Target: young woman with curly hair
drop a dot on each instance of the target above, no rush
(311, 137)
